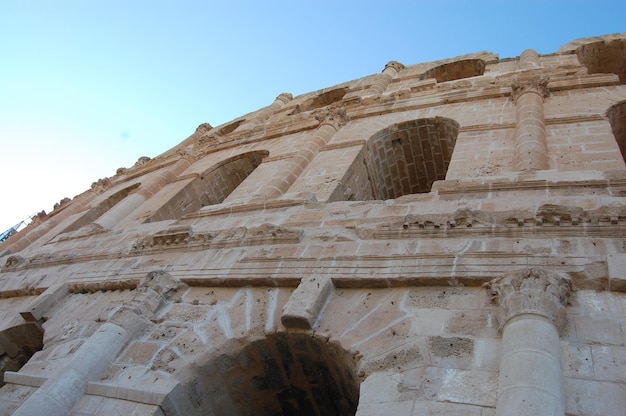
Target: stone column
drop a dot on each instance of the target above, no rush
(262, 115)
(531, 149)
(531, 311)
(529, 59)
(286, 175)
(120, 211)
(381, 83)
(66, 386)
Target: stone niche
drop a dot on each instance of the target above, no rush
(403, 159)
(212, 187)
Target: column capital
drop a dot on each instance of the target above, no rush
(284, 98)
(335, 117)
(396, 66)
(538, 86)
(530, 291)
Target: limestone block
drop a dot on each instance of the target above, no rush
(389, 408)
(434, 408)
(470, 387)
(599, 330)
(616, 264)
(609, 362)
(306, 303)
(486, 354)
(594, 398)
(577, 361)
(36, 310)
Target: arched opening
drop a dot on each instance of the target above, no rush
(617, 119)
(229, 128)
(321, 100)
(456, 70)
(17, 345)
(282, 374)
(97, 211)
(212, 187)
(604, 58)
(405, 158)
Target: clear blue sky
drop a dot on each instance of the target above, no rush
(87, 86)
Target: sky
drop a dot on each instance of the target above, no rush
(88, 86)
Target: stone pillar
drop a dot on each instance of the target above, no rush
(66, 386)
(529, 59)
(531, 149)
(531, 311)
(289, 172)
(262, 115)
(381, 83)
(120, 211)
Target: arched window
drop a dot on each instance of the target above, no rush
(211, 187)
(321, 100)
(402, 159)
(456, 70)
(102, 207)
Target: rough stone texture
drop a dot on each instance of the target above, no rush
(329, 254)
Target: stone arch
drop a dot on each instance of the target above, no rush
(465, 68)
(321, 100)
(604, 57)
(283, 373)
(17, 344)
(230, 127)
(402, 159)
(94, 213)
(617, 118)
(212, 187)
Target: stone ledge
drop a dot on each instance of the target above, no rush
(155, 397)
(24, 379)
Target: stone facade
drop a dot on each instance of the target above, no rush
(440, 238)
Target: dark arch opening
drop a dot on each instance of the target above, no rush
(321, 100)
(17, 345)
(212, 187)
(282, 374)
(456, 70)
(229, 128)
(617, 119)
(604, 58)
(402, 159)
(97, 211)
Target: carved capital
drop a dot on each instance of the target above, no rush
(335, 117)
(186, 155)
(101, 185)
(396, 66)
(204, 128)
(538, 86)
(530, 291)
(284, 98)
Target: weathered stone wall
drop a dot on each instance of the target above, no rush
(439, 238)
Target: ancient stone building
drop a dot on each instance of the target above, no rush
(440, 238)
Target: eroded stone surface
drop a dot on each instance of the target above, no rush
(327, 254)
